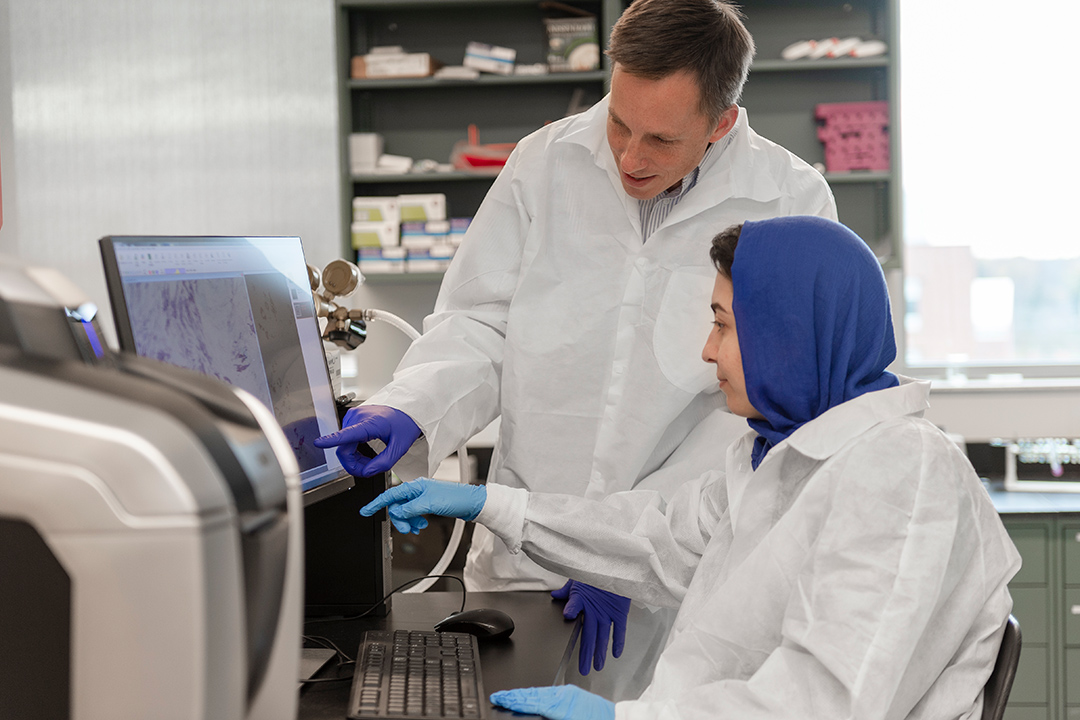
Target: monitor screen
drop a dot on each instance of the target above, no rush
(239, 309)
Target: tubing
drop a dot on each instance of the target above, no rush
(463, 465)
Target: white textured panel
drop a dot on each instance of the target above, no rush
(171, 117)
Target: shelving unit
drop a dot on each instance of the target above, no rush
(423, 118)
(781, 95)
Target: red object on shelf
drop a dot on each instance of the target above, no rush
(471, 155)
(856, 135)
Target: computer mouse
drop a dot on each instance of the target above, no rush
(484, 623)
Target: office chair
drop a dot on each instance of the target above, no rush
(998, 685)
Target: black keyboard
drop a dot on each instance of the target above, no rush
(417, 675)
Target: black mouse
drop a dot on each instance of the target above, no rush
(484, 623)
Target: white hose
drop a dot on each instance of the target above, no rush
(394, 320)
(463, 465)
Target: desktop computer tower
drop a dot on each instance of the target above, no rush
(347, 555)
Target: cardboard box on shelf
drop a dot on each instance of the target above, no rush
(393, 65)
(572, 44)
(376, 208)
(490, 58)
(374, 234)
(458, 226)
(429, 206)
(364, 152)
(423, 261)
(423, 234)
(375, 261)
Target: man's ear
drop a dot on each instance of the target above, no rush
(725, 123)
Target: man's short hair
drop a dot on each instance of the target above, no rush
(657, 38)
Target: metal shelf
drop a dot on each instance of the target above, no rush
(858, 176)
(485, 79)
(455, 176)
(405, 278)
(822, 64)
(377, 4)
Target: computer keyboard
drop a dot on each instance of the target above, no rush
(417, 674)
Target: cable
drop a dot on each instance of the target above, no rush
(464, 594)
(463, 466)
(343, 659)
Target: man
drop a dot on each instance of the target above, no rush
(564, 311)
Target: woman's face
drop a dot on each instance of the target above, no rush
(722, 349)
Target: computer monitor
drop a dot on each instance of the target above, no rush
(239, 309)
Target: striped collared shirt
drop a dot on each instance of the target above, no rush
(655, 210)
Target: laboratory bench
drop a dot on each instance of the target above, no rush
(1046, 600)
(1046, 594)
(530, 657)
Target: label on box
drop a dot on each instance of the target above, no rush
(490, 58)
(431, 206)
(374, 234)
(376, 208)
(572, 44)
(381, 260)
(390, 65)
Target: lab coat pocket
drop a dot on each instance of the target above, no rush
(682, 326)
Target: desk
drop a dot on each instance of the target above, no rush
(528, 658)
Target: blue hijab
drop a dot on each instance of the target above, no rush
(812, 313)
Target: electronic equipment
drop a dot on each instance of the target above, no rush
(150, 528)
(241, 309)
(417, 675)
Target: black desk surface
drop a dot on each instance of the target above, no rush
(529, 658)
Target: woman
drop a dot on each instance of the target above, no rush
(846, 561)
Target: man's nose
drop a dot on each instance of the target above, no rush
(633, 159)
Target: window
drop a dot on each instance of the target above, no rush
(991, 180)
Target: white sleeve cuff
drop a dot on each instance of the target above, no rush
(504, 514)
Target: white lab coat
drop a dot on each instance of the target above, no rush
(555, 316)
(860, 572)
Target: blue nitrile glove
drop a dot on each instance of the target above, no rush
(559, 702)
(410, 501)
(603, 611)
(368, 422)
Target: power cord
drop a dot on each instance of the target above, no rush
(343, 658)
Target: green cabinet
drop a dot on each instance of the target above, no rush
(1046, 601)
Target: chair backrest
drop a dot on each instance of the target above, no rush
(996, 692)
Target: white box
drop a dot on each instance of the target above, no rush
(376, 261)
(431, 206)
(490, 58)
(374, 234)
(458, 228)
(572, 44)
(376, 208)
(421, 261)
(364, 152)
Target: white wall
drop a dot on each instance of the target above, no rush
(165, 117)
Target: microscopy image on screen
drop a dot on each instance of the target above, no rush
(170, 321)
